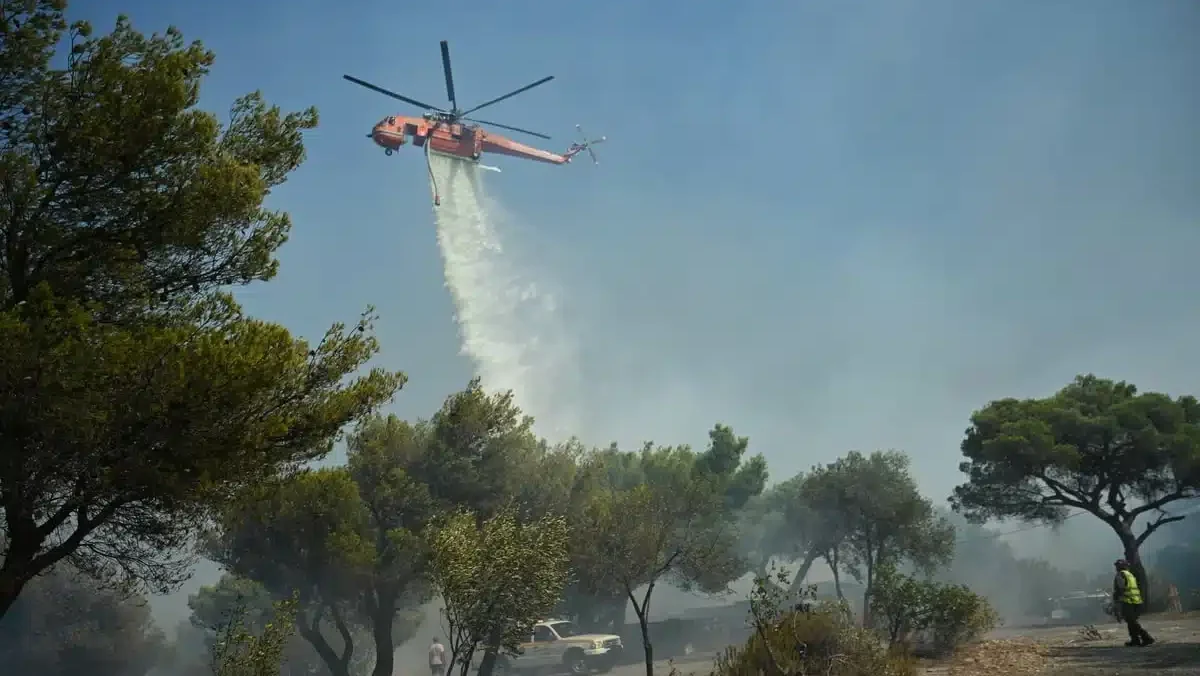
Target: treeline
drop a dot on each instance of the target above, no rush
(504, 527)
(142, 413)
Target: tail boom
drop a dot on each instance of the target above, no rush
(503, 146)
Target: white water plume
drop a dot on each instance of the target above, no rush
(507, 322)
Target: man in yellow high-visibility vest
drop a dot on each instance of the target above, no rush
(1127, 593)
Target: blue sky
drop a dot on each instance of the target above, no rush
(832, 225)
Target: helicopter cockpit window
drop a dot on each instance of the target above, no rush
(391, 120)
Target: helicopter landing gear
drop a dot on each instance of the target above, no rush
(388, 152)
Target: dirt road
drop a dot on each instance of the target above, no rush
(1070, 653)
(1058, 651)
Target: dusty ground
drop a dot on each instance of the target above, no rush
(698, 666)
(1065, 651)
(1058, 651)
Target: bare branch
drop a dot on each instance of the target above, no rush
(1157, 504)
(1155, 525)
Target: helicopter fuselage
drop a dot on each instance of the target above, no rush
(465, 141)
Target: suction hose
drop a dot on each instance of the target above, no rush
(437, 199)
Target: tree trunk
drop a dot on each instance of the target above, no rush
(310, 630)
(10, 588)
(802, 572)
(835, 564)
(1134, 557)
(866, 611)
(17, 569)
(643, 614)
(647, 648)
(491, 651)
(381, 631)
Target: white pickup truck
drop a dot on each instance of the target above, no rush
(558, 645)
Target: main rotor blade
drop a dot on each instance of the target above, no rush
(449, 77)
(394, 95)
(510, 95)
(505, 126)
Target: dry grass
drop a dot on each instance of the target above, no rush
(995, 658)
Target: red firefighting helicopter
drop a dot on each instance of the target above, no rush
(444, 132)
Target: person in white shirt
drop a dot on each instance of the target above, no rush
(437, 658)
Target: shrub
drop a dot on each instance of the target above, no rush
(957, 616)
(807, 638)
(240, 651)
(900, 605)
(938, 617)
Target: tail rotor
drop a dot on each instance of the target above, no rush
(586, 144)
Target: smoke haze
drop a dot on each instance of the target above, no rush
(955, 202)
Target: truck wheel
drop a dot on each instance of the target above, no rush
(576, 662)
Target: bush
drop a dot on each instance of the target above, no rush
(957, 616)
(934, 616)
(808, 638)
(239, 651)
(817, 640)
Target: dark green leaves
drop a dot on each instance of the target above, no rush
(136, 396)
(1096, 445)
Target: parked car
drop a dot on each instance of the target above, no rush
(559, 645)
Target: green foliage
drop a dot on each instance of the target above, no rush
(1096, 445)
(674, 527)
(240, 651)
(651, 532)
(901, 604)
(121, 190)
(381, 454)
(131, 434)
(473, 440)
(356, 541)
(551, 479)
(880, 517)
(306, 532)
(724, 461)
(806, 639)
(213, 605)
(856, 513)
(957, 616)
(942, 617)
(64, 623)
(496, 578)
(136, 395)
(307, 535)
(663, 512)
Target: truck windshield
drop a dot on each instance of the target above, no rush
(565, 629)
